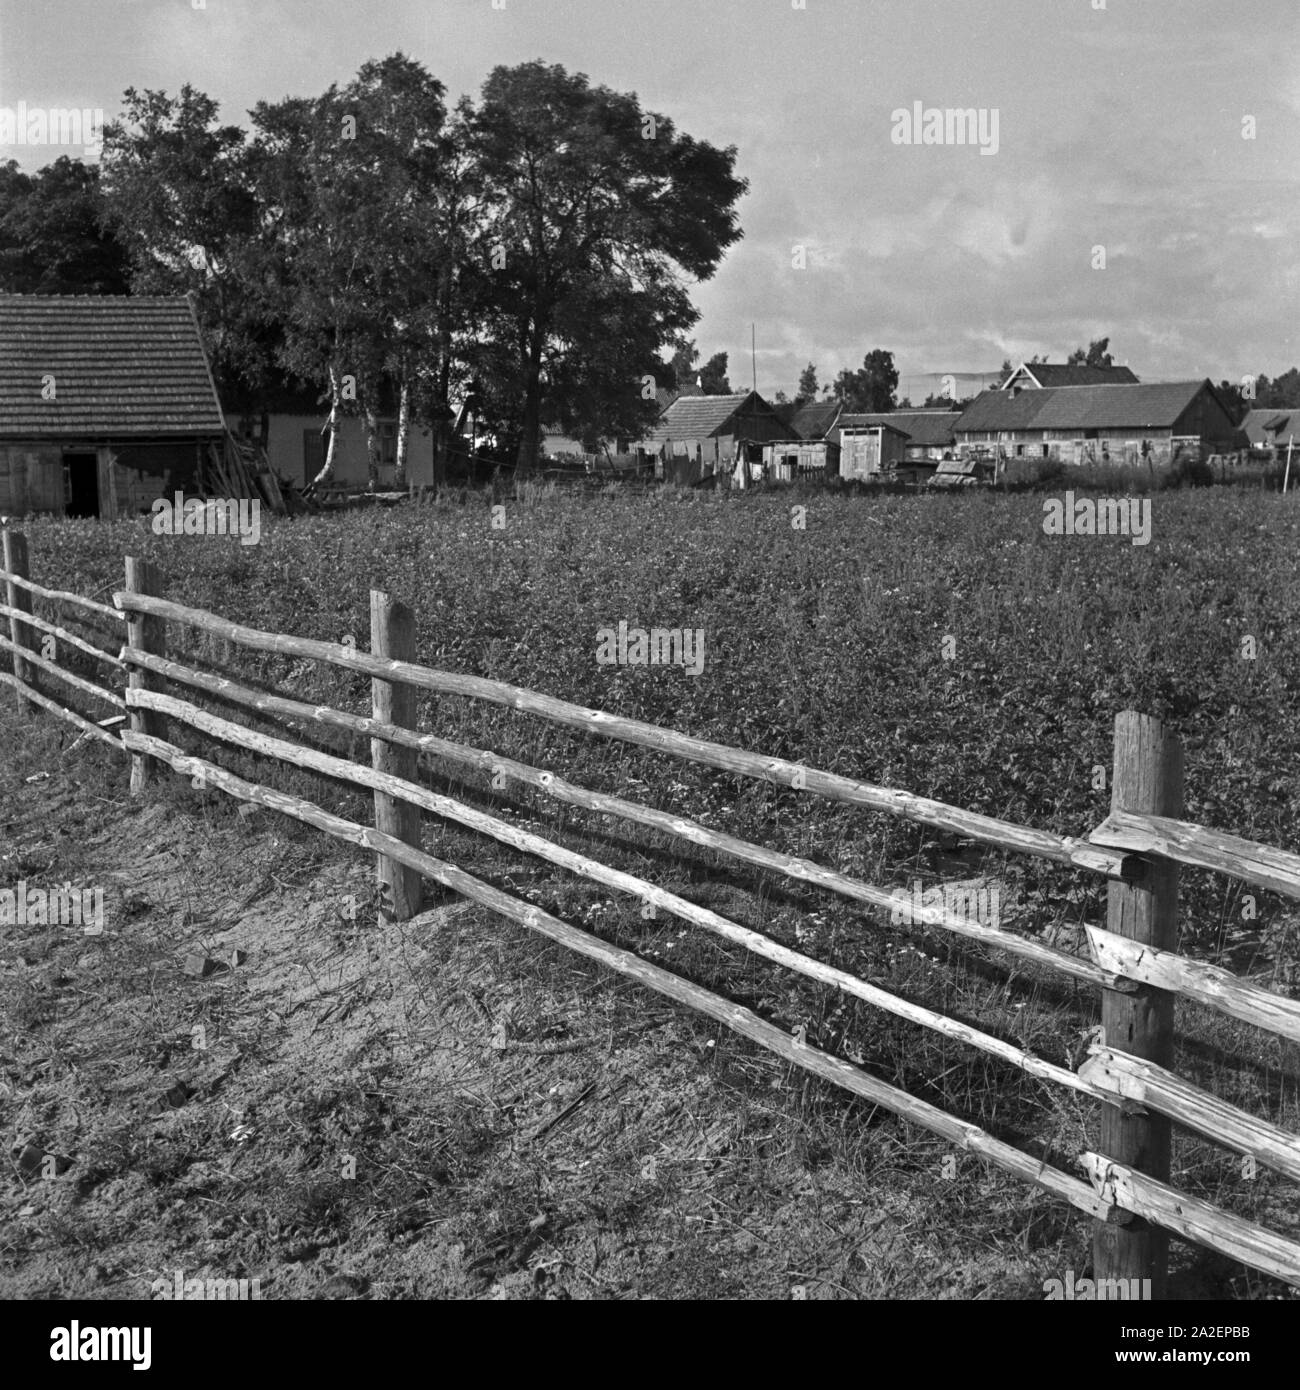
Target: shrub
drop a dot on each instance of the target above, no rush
(1189, 471)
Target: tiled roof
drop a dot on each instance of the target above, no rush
(928, 429)
(1049, 374)
(699, 417)
(1152, 406)
(120, 366)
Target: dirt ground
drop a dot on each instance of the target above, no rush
(250, 1075)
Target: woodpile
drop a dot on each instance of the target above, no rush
(240, 469)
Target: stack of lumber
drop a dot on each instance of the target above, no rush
(240, 469)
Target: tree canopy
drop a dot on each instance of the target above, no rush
(52, 236)
(534, 248)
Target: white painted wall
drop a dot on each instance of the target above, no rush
(351, 461)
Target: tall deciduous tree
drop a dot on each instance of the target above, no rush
(870, 389)
(807, 390)
(590, 202)
(354, 241)
(713, 376)
(178, 197)
(53, 239)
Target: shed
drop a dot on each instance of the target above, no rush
(106, 402)
(868, 451)
(786, 460)
(929, 432)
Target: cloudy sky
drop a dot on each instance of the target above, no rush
(1121, 124)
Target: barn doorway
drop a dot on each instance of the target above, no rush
(80, 484)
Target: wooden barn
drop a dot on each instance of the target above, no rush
(1149, 423)
(106, 403)
(699, 436)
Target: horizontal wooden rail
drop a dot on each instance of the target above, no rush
(1194, 979)
(1188, 1104)
(1003, 834)
(555, 786)
(1200, 848)
(734, 1016)
(51, 668)
(639, 888)
(1133, 1079)
(62, 634)
(62, 596)
(1194, 1219)
(86, 726)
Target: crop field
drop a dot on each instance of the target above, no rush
(523, 1124)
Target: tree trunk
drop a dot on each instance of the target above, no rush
(403, 431)
(332, 425)
(526, 460)
(372, 445)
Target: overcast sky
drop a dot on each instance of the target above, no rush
(1118, 127)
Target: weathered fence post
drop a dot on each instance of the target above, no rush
(1148, 777)
(392, 635)
(21, 633)
(147, 634)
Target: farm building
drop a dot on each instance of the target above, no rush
(295, 441)
(786, 460)
(106, 402)
(1098, 424)
(1042, 376)
(929, 432)
(870, 451)
(699, 436)
(1270, 427)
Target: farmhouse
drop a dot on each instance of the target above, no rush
(698, 436)
(1145, 423)
(106, 402)
(1041, 376)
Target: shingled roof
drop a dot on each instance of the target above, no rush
(120, 367)
(1156, 405)
(1049, 374)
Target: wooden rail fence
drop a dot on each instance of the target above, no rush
(1133, 960)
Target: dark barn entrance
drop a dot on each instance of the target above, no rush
(81, 484)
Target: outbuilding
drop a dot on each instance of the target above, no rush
(698, 436)
(106, 403)
(1149, 423)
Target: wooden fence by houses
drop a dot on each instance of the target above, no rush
(1133, 959)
